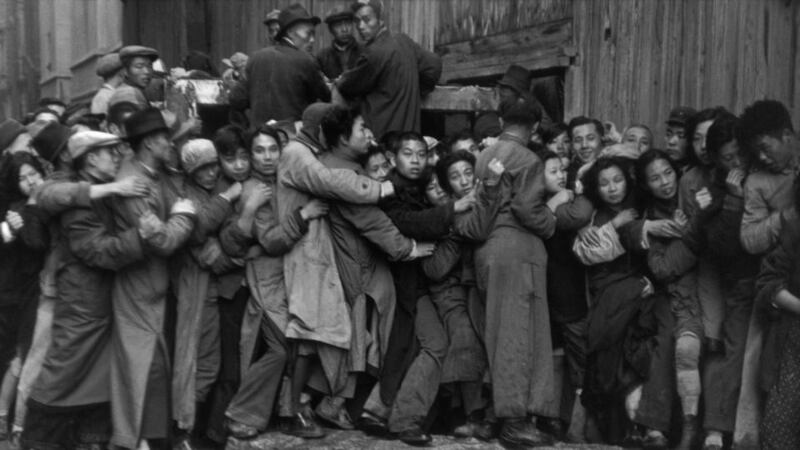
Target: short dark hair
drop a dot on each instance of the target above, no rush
(265, 130)
(448, 160)
(583, 120)
(764, 117)
(550, 132)
(10, 165)
(722, 131)
(372, 151)
(337, 123)
(229, 139)
(521, 113)
(461, 135)
(406, 136)
(691, 126)
(389, 141)
(546, 155)
(591, 178)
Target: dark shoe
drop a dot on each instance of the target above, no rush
(183, 442)
(689, 433)
(304, 426)
(521, 432)
(372, 425)
(633, 438)
(94, 446)
(415, 436)
(483, 430)
(239, 430)
(654, 442)
(333, 416)
(552, 426)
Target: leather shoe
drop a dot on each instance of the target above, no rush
(415, 436)
(337, 417)
(521, 432)
(239, 430)
(304, 426)
(483, 430)
(372, 425)
(654, 442)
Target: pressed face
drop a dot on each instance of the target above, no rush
(675, 141)
(555, 178)
(507, 95)
(638, 136)
(411, 159)
(265, 152)
(342, 31)
(367, 23)
(236, 167)
(612, 185)
(377, 167)
(434, 193)
(302, 34)
(206, 176)
(29, 178)
(729, 157)
(586, 142)
(272, 30)
(699, 141)
(662, 181)
(360, 137)
(461, 177)
(466, 144)
(106, 161)
(776, 154)
(140, 71)
(559, 145)
(161, 147)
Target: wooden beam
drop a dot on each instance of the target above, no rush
(461, 98)
(538, 47)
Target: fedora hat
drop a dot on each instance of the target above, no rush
(272, 16)
(51, 140)
(144, 122)
(292, 15)
(517, 78)
(9, 130)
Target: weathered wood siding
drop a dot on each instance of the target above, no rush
(639, 58)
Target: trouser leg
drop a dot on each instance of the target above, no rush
(421, 383)
(655, 406)
(208, 351)
(779, 427)
(253, 403)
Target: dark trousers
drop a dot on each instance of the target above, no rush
(572, 336)
(658, 392)
(779, 426)
(723, 373)
(61, 428)
(231, 312)
(421, 383)
(253, 403)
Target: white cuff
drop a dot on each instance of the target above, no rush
(5, 231)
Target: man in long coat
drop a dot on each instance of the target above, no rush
(391, 75)
(511, 276)
(140, 359)
(69, 400)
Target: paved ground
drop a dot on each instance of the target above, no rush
(348, 440)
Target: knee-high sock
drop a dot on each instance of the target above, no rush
(687, 358)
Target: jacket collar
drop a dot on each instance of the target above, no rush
(511, 138)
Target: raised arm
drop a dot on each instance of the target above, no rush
(377, 228)
(760, 227)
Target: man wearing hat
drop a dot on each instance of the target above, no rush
(391, 75)
(282, 80)
(140, 379)
(515, 87)
(675, 139)
(343, 52)
(70, 398)
(273, 26)
(109, 68)
(137, 70)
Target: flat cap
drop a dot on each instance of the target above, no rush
(108, 65)
(9, 130)
(339, 15)
(128, 94)
(138, 50)
(84, 141)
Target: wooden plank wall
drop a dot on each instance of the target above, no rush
(639, 58)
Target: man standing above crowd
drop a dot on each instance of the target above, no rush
(391, 75)
(343, 52)
(282, 80)
(137, 65)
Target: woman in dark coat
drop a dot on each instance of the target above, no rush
(620, 322)
(24, 242)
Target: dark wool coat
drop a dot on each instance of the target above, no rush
(391, 75)
(281, 82)
(334, 61)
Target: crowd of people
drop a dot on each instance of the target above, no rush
(319, 262)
